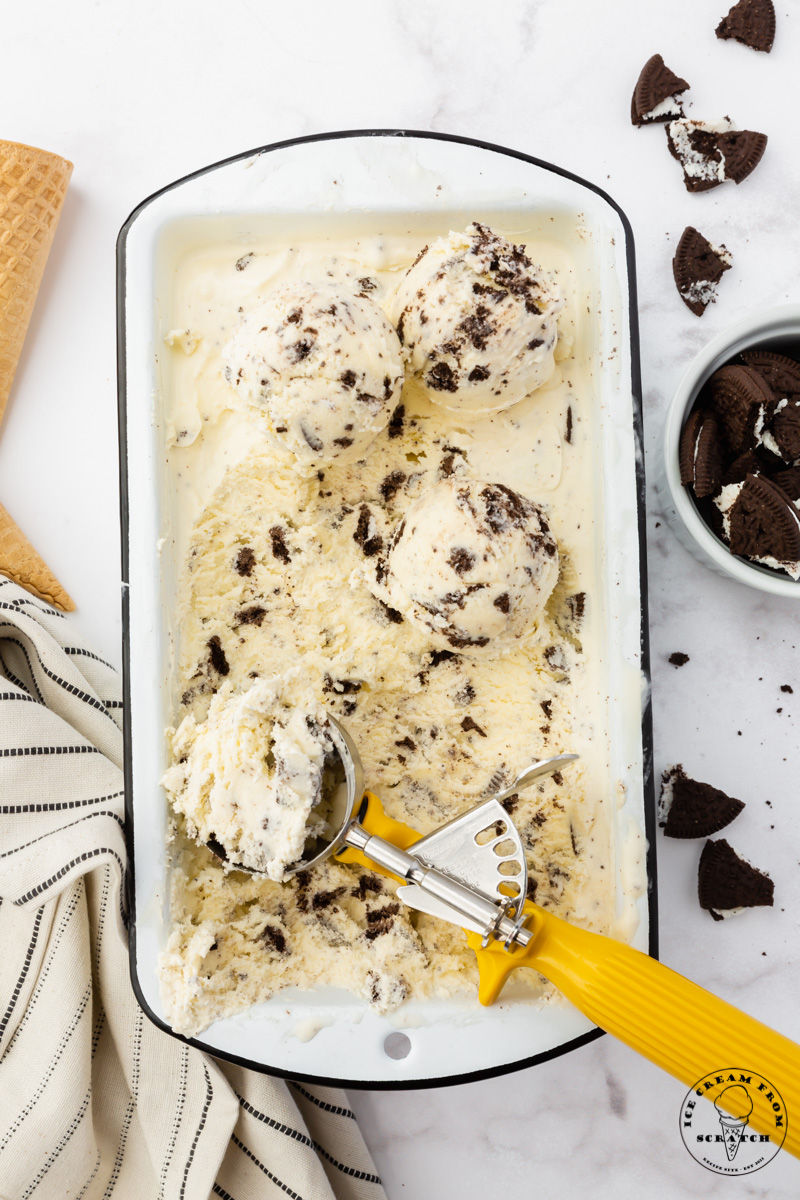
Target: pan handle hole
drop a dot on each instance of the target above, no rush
(397, 1046)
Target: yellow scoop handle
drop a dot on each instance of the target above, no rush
(676, 1024)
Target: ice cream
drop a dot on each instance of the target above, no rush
(478, 321)
(734, 1106)
(249, 775)
(279, 579)
(472, 563)
(319, 369)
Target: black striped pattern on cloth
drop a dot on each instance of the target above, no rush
(95, 1101)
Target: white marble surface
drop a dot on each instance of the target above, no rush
(138, 96)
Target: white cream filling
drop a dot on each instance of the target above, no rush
(695, 164)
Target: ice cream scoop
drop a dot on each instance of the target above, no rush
(472, 564)
(478, 321)
(249, 777)
(319, 369)
(472, 872)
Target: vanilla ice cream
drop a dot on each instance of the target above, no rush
(478, 321)
(319, 368)
(278, 580)
(249, 775)
(472, 563)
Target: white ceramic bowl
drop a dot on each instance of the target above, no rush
(774, 329)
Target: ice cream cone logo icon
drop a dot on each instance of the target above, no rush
(734, 1107)
(733, 1121)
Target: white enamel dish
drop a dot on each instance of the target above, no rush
(330, 1036)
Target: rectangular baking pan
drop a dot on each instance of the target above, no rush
(375, 172)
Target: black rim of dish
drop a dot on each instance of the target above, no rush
(647, 725)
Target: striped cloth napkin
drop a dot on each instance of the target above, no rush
(95, 1101)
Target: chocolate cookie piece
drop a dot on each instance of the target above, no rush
(727, 883)
(712, 152)
(697, 268)
(655, 97)
(785, 430)
(762, 523)
(743, 402)
(688, 444)
(788, 481)
(746, 464)
(690, 809)
(781, 373)
(700, 454)
(751, 22)
(742, 151)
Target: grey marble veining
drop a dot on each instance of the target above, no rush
(552, 78)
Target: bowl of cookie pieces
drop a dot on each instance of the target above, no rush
(731, 472)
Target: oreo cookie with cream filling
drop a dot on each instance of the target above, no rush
(726, 883)
(761, 523)
(751, 22)
(783, 435)
(690, 809)
(744, 404)
(657, 92)
(712, 152)
(700, 456)
(697, 268)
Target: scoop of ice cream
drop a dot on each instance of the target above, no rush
(478, 321)
(249, 776)
(472, 563)
(735, 1102)
(319, 369)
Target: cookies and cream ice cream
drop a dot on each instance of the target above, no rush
(477, 320)
(250, 774)
(472, 563)
(279, 580)
(319, 368)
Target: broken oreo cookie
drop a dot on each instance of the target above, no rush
(743, 402)
(690, 809)
(656, 95)
(784, 431)
(700, 457)
(761, 523)
(781, 373)
(712, 152)
(697, 268)
(751, 22)
(726, 883)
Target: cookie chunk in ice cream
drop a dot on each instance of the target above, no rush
(478, 321)
(249, 776)
(319, 369)
(471, 563)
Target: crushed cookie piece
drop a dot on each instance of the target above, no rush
(245, 561)
(279, 548)
(254, 615)
(217, 656)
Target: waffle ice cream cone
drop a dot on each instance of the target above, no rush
(20, 562)
(732, 1133)
(33, 184)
